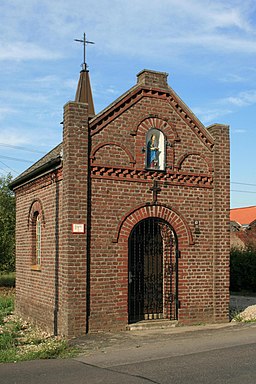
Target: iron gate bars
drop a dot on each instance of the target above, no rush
(152, 271)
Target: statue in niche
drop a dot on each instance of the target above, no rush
(155, 149)
(152, 152)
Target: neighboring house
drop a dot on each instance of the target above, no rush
(243, 227)
(128, 218)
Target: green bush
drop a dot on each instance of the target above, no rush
(7, 225)
(243, 270)
(7, 280)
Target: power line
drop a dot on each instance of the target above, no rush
(41, 152)
(236, 190)
(237, 182)
(31, 150)
(21, 148)
(13, 170)
(16, 159)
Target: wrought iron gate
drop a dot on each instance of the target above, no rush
(152, 271)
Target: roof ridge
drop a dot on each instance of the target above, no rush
(53, 154)
(250, 206)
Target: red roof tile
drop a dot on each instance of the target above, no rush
(243, 215)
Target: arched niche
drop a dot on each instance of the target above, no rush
(155, 150)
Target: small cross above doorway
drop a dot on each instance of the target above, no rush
(155, 189)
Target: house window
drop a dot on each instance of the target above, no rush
(155, 153)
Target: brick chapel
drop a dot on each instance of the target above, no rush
(126, 220)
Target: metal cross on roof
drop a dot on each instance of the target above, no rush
(84, 41)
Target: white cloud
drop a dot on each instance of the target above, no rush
(222, 107)
(232, 78)
(137, 27)
(46, 80)
(5, 111)
(242, 99)
(112, 90)
(12, 136)
(21, 97)
(238, 130)
(42, 137)
(210, 115)
(178, 25)
(20, 51)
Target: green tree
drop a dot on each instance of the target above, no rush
(7, 225)
(243, 269)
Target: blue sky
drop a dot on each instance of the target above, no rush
(207, 47)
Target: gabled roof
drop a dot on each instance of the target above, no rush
(140, 90)
(144, 88)
(47, 163)
(243, 216)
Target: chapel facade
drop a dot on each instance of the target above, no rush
(127, 220)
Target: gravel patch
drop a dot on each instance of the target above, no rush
(249, 314)
(243, 308)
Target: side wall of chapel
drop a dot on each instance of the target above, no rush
(36, 286)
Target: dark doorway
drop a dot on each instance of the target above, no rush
(152, 271)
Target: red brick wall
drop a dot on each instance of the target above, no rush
(35, 287)
(221, 222)
(203, 272)
(194, 188)
(73, 246)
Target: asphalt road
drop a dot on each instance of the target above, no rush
(216, 354)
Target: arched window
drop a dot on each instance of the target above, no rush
(36, 239)
(36, 224)
(155, 152)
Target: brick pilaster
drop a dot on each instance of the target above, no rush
(221, 208)
(74, 246)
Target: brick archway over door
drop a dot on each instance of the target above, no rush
(169, 214)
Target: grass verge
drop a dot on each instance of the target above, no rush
(20, 341)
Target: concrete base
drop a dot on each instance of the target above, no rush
(152, 324)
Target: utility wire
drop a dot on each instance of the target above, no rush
(16, 159)
(13, 170)
(236, 190)
(236, 182)
(36, 151)
(21, 148)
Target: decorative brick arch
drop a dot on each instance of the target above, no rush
(101, 145)
(36, 206)
(168, 214)
(158, 123)
(186, 155)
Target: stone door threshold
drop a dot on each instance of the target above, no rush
(152, 324)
